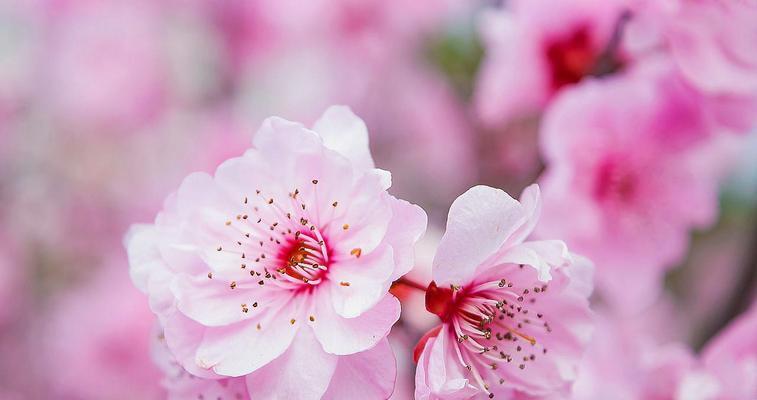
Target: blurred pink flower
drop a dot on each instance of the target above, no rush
(633, 358)
(711, 44)
(535, 48)
(97, 341)
(728, 364)
(283, 259)
(617, 180)
(515, 314)
(106, 69)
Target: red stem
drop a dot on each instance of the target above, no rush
(409, 283)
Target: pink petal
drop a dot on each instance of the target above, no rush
(479, 222)
(242, 348)
(357, 284)
(302, 372)
(542, 255)
(341, 336)
(345, 133)
(367, 375)
(408, 224)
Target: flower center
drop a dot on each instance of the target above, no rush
(614, 183)
(303, 259)
(276, 241)
(495, 324)
(571, 58)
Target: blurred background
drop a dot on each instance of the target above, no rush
(106, 105)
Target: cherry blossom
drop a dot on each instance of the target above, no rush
(515, 314)
(622, 158)
(282, 260)
(535, 48)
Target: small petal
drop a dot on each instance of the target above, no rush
(479, 223)
(345, 133)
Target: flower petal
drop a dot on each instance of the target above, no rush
(359, 283)
(479, 222)
(244, 347)
(407, 226)
(369, 374)
(303, 372)
(345, 133)
(542, 255)
(339, 335)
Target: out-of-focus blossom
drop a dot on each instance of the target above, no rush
(283, 260)
(728, 365)
(107, 70)
(620, 188)
(97, 341)
(535, 48)
(515, 314)
(710, 42)
(634, 358)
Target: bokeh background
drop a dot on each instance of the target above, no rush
(106, 105)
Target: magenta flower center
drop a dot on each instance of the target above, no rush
(278, 242)
(304, 259)
(614, 183)
(571, 58)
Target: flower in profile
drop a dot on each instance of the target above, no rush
(535, 48)
(628, 176)
(282, 261)
(515, 314)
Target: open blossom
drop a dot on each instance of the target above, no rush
(515, 315)
(535, 48)
(282, 261)
(619, 186)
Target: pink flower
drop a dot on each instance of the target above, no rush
(535, 48)
(621, 187)
(282, 261)
(728, 365)
(633, 358)
(515, 315)
(710, 42)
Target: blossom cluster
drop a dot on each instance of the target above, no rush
(378, 199)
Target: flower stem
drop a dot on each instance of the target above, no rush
(410, 283)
